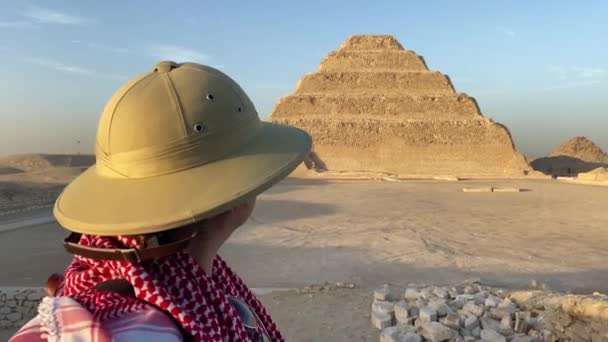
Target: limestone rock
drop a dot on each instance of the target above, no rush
(469, 290)
(392, 334)
(479, 299)
(473, 309)
(457, 304)
(378, 108)
(492, 301)
(453, 292)
(427, 314)
(536, 334)
(427, 293)
(506, 325)
(414, 312)
(383, 293)
(457, 338)
(524, 338)
(441, 308)
(500, 312)
(521, 325)
(441, 292)
(383, 307)
(435, 332)
(401, 310)
(471, 323)
(412, 337)
(489, 323)
(411, 293)
(476, 332)
(381, 320)
(420, 302)
(452, 321)
(492, 336)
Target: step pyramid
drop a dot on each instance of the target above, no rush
(373, 106)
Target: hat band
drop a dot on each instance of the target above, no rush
(180, 155)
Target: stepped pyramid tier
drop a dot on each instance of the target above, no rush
(577, 155)
(373, 106)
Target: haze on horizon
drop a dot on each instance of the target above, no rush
(539, 68)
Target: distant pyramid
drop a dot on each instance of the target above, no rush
(374, 107)
(577, 155)
(581, 148)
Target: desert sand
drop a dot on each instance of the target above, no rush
(368, 233)
(374, 107)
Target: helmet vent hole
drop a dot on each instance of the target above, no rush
(198, 127)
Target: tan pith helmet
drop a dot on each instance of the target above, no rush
(176, 145)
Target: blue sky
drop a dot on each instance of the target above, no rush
(539, 67)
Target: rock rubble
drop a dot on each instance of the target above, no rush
(473, 312)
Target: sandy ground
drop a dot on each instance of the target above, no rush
(310, 231)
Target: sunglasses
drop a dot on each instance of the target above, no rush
(250, 320)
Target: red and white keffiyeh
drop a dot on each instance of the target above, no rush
(175, 284)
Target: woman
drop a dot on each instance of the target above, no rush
(181, 155)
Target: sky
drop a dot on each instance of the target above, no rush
(539, 67)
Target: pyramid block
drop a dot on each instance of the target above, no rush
(372, 106)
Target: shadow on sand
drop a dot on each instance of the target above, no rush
(564, 166)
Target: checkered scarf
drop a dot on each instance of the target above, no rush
(176, 284)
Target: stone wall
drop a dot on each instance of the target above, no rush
(18, 305)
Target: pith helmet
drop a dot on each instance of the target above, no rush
(176, 145)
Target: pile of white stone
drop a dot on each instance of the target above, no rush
(467, 312)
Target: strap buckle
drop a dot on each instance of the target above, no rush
(127, 255)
